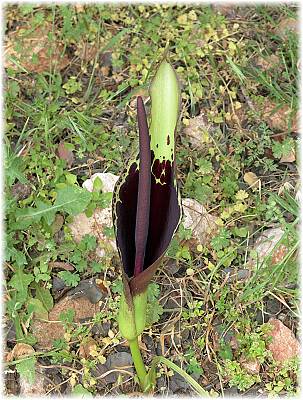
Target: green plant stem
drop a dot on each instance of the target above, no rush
(180, 371)
(138, 362)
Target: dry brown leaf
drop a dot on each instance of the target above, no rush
(87, 348)
(287, 25)
(65, 154)
(278, 118)
(61, 265)
(35, 43)
(268, 62)
(251, 179)
(198, 131)
(198, 220)
(289, 158)
(251, 366)
(20, 350)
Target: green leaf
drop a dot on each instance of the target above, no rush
(27, 216)
(15, 255)
(225, 351)
(44, 295)
(153, 292)
(153, 313)
(72, 199)
(79, 390)
(20, 281)
(13, 170)
(67, 316)
(97, 267)
(36, 306)
(26, 369)
(69, 278)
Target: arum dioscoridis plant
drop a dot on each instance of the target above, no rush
(147, 208)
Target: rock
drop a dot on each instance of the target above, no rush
(47, 332)
(101, 329)
(58, 284)
(198, 220)
(87, 288)
(284, 345)
(108, 182)
(27, 388)
(231, 392)
(177, 384)
(273, 307)
(236, 275)
(94, 225)
(33, 389)
(120, 360)
(10, 378)
(9, 331)
(101, 218)
(266, 245)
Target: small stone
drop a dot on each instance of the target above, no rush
(266, 244)
(273, 307)
(120, 360)
(284, 345)
(89, 289)
(236, 275)
(108, 182)
(37, 388)
(279, 118)
(94, 225)
(101, 329)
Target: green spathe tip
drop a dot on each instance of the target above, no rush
(165, 101)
